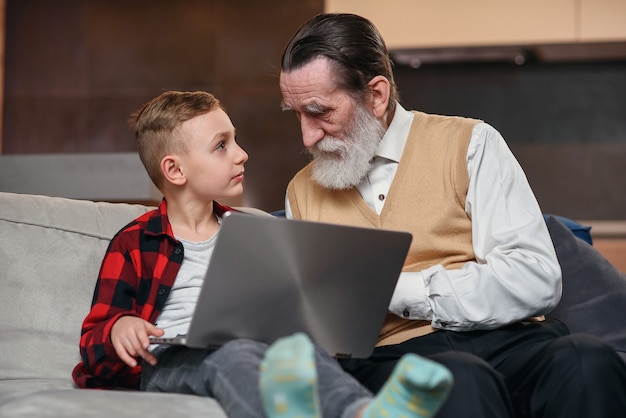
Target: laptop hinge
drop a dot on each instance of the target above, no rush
(342, 356)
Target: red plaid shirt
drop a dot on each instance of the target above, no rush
(137, 273)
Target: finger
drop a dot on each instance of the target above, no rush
(126, 358)
(143, 338)
(145, 354)
(149, 358)
(155, 331)
(137, 348)
(123, 354)
(143, 341)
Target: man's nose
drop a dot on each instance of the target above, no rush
(312, 133)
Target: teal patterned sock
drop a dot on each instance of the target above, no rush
(417, 388)
(289, 379)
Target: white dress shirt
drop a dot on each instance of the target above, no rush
(516, 275)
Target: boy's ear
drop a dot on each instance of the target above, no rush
(173, 173)
(379, 99)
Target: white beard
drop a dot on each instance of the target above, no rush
(342, 164)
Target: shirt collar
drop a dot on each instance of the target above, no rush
(159, 223)
(392, 144)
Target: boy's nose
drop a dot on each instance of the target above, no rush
(243, 155)
(311, 132)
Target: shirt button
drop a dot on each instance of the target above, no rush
(161, 292)
(381, 197)
(177, 250)
(406, 313)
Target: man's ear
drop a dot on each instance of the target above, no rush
(172, 171)
(379, 99)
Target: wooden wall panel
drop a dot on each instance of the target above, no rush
(76, 69)
(2, 38)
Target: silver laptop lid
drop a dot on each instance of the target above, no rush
(270, 277)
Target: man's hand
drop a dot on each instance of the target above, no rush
(130, 338)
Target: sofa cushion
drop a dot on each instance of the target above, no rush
(53, 398)
(594, 291)
(50, 253)
(581, 231)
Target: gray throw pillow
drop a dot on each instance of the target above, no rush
(594, 291)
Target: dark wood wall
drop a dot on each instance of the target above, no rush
(76, 69)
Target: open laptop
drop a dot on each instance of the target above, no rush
(270, 277)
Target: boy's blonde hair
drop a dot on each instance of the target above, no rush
(156, 126)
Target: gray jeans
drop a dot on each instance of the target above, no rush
(230, 374)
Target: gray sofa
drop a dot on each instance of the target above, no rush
(50, 253)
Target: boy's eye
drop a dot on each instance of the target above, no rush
(221, 145)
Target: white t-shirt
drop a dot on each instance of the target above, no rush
(181, 302)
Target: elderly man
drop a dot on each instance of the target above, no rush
(481, 271)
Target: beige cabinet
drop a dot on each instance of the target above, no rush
(451, 23)
(602, 20)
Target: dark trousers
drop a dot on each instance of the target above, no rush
(529, 369)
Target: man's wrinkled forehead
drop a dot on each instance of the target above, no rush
(309, 88)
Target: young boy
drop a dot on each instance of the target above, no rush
(152, 272)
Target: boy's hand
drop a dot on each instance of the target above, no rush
(130, 338)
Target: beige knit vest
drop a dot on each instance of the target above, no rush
(426, 198)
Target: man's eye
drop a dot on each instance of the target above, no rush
(316, 110)
(316, 113)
